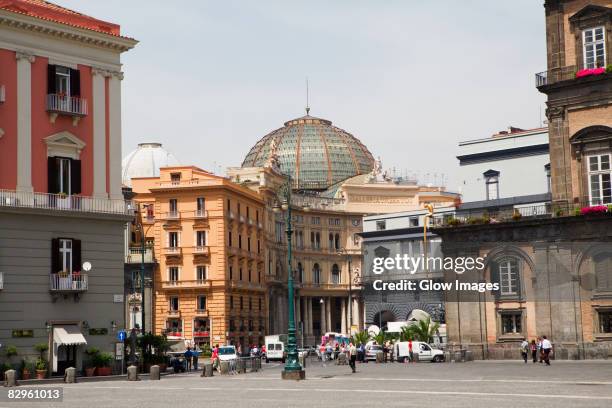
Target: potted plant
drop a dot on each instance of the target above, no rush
(90, 368)
(41, 368)
(102, 362)
(26, 370)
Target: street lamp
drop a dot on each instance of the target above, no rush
(293, 370)
(345, 251)
(140, 227)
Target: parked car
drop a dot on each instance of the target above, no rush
(425, 351)
(371, 350)
(227, 353)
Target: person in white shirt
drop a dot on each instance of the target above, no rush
(546, 348)
(524, 350)
(352, 356)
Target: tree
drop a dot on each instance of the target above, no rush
(407, 333)
(361, 338)
(381, 337)
(424, 330)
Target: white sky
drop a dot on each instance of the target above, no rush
(409, 78)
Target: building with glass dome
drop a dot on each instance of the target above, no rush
(145, 161)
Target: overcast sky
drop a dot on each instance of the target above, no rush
(409, 78)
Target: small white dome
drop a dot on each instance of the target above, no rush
(145, 161)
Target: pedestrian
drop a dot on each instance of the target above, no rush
(385, 352)
(534, 351)
(524, 350)
(188, 356)
(352, 356)
(214, 358)
(546, 349)
(410, 352)
(540, 352)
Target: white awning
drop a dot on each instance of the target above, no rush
(68, 336)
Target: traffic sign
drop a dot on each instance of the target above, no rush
(121, 335)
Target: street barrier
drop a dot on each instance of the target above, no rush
(70, 375)
(10, 378)
(132, 373)
(208, 370)
(154, 373)
(224, 366)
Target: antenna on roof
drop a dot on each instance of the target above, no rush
(307, 98)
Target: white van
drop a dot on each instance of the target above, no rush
(275, 350)
(424, 350)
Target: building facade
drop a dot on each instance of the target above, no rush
(551, 260)
(205, 238)
(62, 214)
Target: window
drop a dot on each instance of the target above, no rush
(175, 178)
(548, 179)
(605, 321)
(381, 225)
(201, 303)
(241, 303)
(337, 241)
(66, 254)
(63, 176)
(414, 221)
(315, 220)
(231, 272)
(257, 215)
(231, 302)
(238, 208)
(173, 207)
(174, 304)
(258, 247)
(335, 275)
(334, 221)
(249, 244)
(173, 274)
(600, 190)
(63, 81)
(315, 240)
(173, 239)
(240, 241)
(250, 304)
(201, 238)
(331, 241)
(511, 323)
(249, 275)
(229, 238)
(202, 273)
(316, 274)
(260, 304)
(201, 206)
(229, 206)
(300, 271)
(603, 271)
(299, 239)
(240, 274)
(508, 276)
(594, 47)
(492, 184)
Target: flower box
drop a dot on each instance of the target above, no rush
(590, 71)
(596, 209)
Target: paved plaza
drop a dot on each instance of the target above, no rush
(477, 384)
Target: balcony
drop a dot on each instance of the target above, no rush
(201, 250)
(174, 313)
(186, 284)
(134, 255)
(173, 251)
(201, 214)
(172, 215)
(561, 74)
(60, 104)
(68, 283)
(72, 203)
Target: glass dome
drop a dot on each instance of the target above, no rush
(145, 161)
(313, 152)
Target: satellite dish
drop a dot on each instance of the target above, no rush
(86, 266)
(373, 330)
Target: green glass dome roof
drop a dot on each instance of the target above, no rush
(314, 152)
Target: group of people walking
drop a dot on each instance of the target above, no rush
(539, 349)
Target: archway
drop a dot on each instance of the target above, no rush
(383, 317)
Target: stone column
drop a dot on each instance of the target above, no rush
(99, 131)
(356, 316)
(280, 315)
(343, 318)
(329, 314)
(323, 318)
(24, 120)
(114, 124)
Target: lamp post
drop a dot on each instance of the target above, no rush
(140, 227)
(293, 370)
(350, 278)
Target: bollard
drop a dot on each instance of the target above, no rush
(132, 373)
(207, 371)
(70, 375)
(380, 357)
(302, 359)
(10, 378)
(154, 372)
(341, 359)
(224, 366)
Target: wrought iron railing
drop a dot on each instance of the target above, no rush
(71, 105)
(69, 282)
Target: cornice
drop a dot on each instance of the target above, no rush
(62, 31)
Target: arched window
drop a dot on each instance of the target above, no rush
(337, 241)
(331, 241)
(508, 276)
(316, 274)
(335, 274)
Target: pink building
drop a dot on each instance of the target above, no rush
(61, 205)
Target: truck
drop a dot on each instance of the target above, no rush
(422, 349)
(276, 345)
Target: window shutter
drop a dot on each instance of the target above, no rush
(51, 79)
(52, 182)
(55, 256)
(75, 82)
(75, 176)
(76, 255)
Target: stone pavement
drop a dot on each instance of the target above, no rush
(474, 385)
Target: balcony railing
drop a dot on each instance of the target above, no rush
(74, 203)
(134, 255)
(558, 74)
(201, 214)
(199, 283)
(172, 215)
(201, 250)
(68, 282)
(64, 104)
(173, 251)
